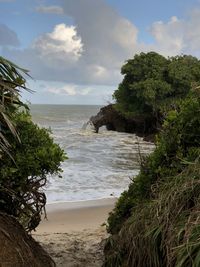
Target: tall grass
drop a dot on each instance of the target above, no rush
(164, 232)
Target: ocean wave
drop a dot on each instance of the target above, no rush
(99, 165)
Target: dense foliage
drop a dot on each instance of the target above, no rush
(21, 181)
(153, 85)
(11, 82)
(156, 222)
(27, 160)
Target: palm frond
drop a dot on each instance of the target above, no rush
(12, 81)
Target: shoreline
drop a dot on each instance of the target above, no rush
(74, 233)
(75, 216)
(83, 200)
(73, 204)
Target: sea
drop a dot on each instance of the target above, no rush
(99, 165)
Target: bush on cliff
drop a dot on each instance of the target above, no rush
(153, 85)
(156, 222)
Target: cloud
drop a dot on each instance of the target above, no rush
(69, 90)
(193, 32)
(62, 44)
(8, 37)
(89, 52)
(109, 39)
(93, 49)
(62, 93)
(169, 36)
(86, 91)
(178, 36)
(58, 10)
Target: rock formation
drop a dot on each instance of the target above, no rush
(113, 120)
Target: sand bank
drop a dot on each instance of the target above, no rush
(73, 233)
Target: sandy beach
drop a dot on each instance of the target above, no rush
(74, 232)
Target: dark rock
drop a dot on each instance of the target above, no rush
(113, 120)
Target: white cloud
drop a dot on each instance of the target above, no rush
(90, 52)
(85, 91)
(192, 28)
(62, 44)
(93, 50)
(169, 37)
(99, 71)
(56, 93)
(50, 10)
(109, 39)
(69, 90)
(178, 36)
(125, 34)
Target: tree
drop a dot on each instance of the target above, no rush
(27, 160)
(153, 85)
(156, 221)
(36, 156)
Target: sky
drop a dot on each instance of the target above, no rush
(75, 49)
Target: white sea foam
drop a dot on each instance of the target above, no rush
(99, 165)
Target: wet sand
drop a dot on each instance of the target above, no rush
(74, 232)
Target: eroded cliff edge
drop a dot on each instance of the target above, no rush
(108, 116)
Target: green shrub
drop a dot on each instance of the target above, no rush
(177, 144)
(163, 231)
(153, 85)
(155, 223)
(27, 153)
(22, 180)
